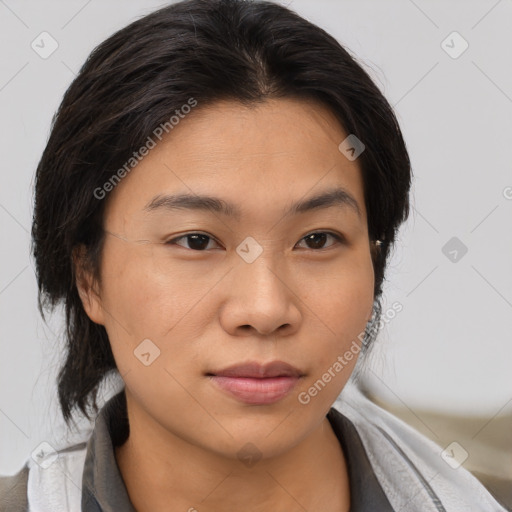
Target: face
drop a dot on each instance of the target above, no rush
(260, 282)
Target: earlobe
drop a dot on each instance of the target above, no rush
(371, 312)
(84, 282)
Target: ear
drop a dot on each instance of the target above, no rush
(375, 249)
(370, 314)
(85, 284)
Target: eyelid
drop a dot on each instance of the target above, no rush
(339, 237)
(172, 241)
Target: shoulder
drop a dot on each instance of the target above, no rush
(13, 491)
(409, 466)
(52, 481)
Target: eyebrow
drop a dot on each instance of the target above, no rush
(337, 197)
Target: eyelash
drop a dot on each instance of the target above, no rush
(338, 237)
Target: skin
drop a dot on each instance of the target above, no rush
(205, 310)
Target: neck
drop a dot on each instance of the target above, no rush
(160, 468)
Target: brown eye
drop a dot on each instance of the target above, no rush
(318, 239)
(197, 241)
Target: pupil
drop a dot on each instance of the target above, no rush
(197, 243)
(316, 245)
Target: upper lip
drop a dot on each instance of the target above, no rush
(258, 370)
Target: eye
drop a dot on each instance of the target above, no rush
(197, 241)
(317, 239)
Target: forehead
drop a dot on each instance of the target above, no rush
(257, 157)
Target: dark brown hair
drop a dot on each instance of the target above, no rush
(134, 81)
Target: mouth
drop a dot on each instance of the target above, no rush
(257, 384)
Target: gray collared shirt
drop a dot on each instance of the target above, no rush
(103, 489)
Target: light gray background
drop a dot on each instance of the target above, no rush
(450, 348)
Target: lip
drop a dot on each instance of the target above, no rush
(257, 370)
(257, 384)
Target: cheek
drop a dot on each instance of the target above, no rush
(164, 305)
(149, 298)
(344, 299)
(342, 306)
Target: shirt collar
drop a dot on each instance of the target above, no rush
(103, 489)
(366, 492)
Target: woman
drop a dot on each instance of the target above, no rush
(215, 208)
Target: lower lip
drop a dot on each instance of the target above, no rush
(257, 391)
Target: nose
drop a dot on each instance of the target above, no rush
(260, 298)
